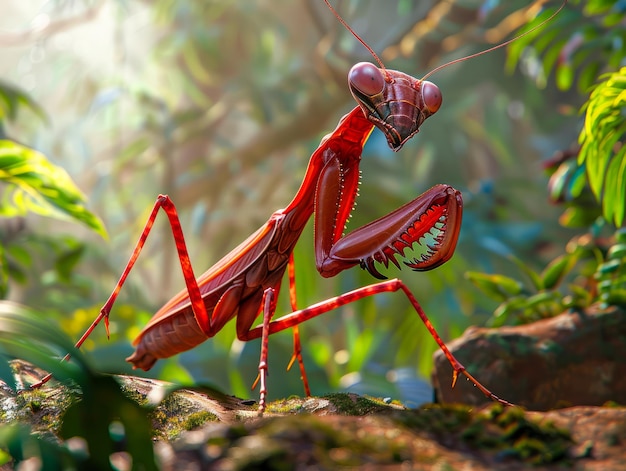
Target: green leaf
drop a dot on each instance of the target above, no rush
(567, 182)
(564, 76)
(497, 286)
(543, 300)
(11, 98)
(602, 150)
(617, 251)
(614, 194)
(26, 335)
(25, 446)
(556, 270)
(576, 216)
(104, 404)
(66, 262)
(608, 268)
(503, 311)
(615, 297)
(36, 185)
(6, 372)
(587, 76)
(580, 295)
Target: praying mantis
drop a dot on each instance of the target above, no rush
(244, 284)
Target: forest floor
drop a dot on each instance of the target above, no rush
(201, 430)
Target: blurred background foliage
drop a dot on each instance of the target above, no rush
(220, 104)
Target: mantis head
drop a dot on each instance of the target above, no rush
(394, 102)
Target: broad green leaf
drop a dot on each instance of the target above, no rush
(104, 404)
(36, 185)
(608, 268)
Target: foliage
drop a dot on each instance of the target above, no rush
(602, 150)
(102, 416)
(32, 184)
(12, 100)
(590, 182)
(578, 43)
(586, 273)
(582, 43)
(36, 185)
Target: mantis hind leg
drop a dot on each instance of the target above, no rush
(297, 346)
(295, 318)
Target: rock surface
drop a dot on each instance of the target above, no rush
(572, 359)
(430, 438)
(194, 430)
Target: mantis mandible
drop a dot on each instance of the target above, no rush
(244, 284)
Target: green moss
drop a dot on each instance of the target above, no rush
(613, 405)
(506, 431)
(437, 419)
(291, 405)
(134, 394)
(174, 415)
(197, 419)
(351, 404)
(336, 403)
(42, 409)
(333, 445)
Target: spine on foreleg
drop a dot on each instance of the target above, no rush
(173, 335)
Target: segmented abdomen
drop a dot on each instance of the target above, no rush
(175, 334)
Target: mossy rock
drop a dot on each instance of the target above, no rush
(205, 429)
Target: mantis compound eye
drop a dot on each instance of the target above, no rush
(431, 96)
(366, 78)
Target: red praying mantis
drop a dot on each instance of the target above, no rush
(244, 284)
